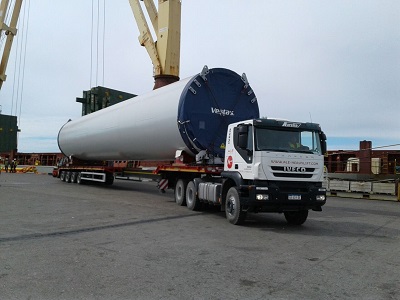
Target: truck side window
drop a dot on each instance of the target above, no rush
(244, 147)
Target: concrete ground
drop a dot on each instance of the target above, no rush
(127, 241)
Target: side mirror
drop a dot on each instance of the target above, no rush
(323, 143)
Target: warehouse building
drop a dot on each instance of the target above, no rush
(363, 164)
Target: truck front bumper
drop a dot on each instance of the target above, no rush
(280, 198)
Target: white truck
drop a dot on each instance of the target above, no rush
(265, 172)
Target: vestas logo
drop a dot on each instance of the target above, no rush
(222, 112)
(288, 124)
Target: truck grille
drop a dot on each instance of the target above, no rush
(289, 173)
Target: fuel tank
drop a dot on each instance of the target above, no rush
(191, 115)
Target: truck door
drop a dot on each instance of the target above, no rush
(243, 143)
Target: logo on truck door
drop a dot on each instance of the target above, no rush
(229, 162)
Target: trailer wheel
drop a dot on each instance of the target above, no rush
(233, 208)
(62, 176)
(192, 201)
(73, 177)
(79, 178)
(68, 177)
(296, 217)
(180, 192)
(109, 179)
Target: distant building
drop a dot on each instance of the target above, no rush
(365, 163)
(39, 159)
(32, 159)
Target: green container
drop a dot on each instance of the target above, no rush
(8, 133)
(101, 97)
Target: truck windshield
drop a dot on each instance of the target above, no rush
(305, 141)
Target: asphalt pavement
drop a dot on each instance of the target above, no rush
(128, 241)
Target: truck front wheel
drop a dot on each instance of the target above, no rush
(233, 208)
(180, 192)
(296, 217)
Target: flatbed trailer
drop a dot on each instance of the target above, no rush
(166, 175)
(77, 174)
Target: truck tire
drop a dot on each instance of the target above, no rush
(79, 178)
(68, 177)
(109, 179)
(296, 217)
(180, 192)
(62, 176)
(73, 177)
(233, 208)
(192, 201)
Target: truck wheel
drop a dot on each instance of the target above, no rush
(296, 217)
(73, 177)
(180, 192)
(62, 176)
(79, 178)
(233, 208)
(192, 201)
(109, 179)
(68, 177)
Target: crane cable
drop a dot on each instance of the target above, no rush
(25, 33)
(15, 71)
(19, 63)
(96, 19)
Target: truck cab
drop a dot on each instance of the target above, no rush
(274, 166)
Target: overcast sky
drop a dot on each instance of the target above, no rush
(336, 63)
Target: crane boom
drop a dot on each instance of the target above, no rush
(10, 31)
(153, 14)
(145, 37)
(165, 52)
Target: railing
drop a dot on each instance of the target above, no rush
(366, 189)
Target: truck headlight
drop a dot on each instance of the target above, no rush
(262, 197)
(320, 197)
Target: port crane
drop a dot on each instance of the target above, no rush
(10, 31)
(164, 52)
